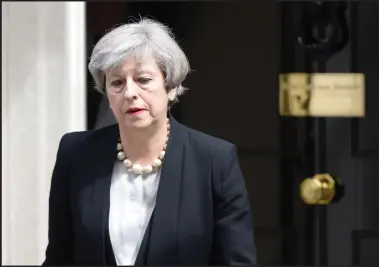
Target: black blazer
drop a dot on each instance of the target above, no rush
(202, 214)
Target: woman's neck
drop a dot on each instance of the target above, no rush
(144, 145)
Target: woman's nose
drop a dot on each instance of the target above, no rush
(130, 90)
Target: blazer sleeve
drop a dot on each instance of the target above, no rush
(233, 229)
(59, 250)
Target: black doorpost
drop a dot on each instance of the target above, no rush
(322, 32)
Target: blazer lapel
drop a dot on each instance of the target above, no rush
(162, 247)
(142, 253)
(100, 157)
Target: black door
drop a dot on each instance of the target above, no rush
(345, 231)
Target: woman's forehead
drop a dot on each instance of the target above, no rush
(132, 64)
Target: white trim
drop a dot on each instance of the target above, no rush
(5, 207)
(76, 47)
(42, 115)
(44, 96)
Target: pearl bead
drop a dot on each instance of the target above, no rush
(127, 163)
(147, 169)
(157, 162)
(137, 168)
(119, 146)
(121, 155)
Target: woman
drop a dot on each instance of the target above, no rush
(147, 190)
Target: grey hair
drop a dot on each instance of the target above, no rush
(139, 39)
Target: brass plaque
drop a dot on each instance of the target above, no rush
(322, 94)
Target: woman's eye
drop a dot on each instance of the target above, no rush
(144, 80)
(116, 83)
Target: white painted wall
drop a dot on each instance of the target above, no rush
(43, 96)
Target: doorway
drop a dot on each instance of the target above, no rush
(236, 50)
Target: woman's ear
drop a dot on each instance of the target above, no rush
(172, 94)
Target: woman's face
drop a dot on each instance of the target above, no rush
(137, 94)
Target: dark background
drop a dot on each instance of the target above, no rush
(237, 50)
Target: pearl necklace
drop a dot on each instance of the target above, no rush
(138, 169)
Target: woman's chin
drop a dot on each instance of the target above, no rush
(137, 122)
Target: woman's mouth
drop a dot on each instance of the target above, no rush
(135, 111)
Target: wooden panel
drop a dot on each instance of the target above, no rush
(269, 250)
(365, 248)
(232, 95)
(262, 182)
(365, 131)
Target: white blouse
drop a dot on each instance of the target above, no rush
(132, 201)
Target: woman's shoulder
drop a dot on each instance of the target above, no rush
(206, 142)
(77, 138)
(209, 150)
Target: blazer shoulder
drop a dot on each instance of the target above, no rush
(73, 140)
(208, 143)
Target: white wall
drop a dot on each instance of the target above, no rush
(43, 96)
